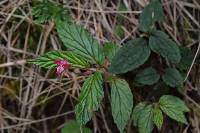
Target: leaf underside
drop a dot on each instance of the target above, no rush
(90, 98)
(121, 103)
(173, 107)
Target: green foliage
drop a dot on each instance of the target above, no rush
(137, 112)
(148, 76)
(118, 30)
(90, 98)
(145, 121)
(74, 127)
(157, 117)
(151, 13)
(173, 107)
(80, 41)
(121, 102)
(110, 50)
(86, 52)
(161, 44)
(132, 55)
(172, 77)
(47, 11)
(186, 59)
(48, 60)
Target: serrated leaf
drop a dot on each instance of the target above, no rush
(151, 13)
(132, 55)
(186, 59)
(74, 127)
(90, 98)
(157, 117)
(173, 107)
(172, 77)
(161, 44)
(47, 11)
(148, 76)
(48, 60)
(145, 122)
(110, 50)
(121, 102)
(80, 41)
(137, 112)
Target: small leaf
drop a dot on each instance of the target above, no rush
(47, 11)
(118, 31)
(173, 107)
(110, 50)
(145, 122)
(148, 76)
(80, 41)
(132, 55)
(161, 44)
(151, 13)
(48, 60)
(121, 103)
(172, 77)
(74, 127)
(157, 117)
(90, 98)
(186, 59)
(137, 112)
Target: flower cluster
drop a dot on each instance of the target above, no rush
(62, 65)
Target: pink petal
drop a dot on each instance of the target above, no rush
(60, 69)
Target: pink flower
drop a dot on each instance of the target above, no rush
(62, 65)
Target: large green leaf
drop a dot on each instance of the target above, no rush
(137, 112)
(74, 127)
(157, 117)
(48, 60)
(148, 76)
(145, 122)
(161, 44)
(121, 102)
(110, 49)
(172, 77)
(90, 98)
(151, 13)
(173, 107)
(132, 55)
(80, 41)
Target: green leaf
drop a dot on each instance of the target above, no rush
(172, 77)
(74, 127)
(118, 31)
(145, 122)
(161, 44)
(173, 107)
(137, 112)
(186, 59)
(110, 50)
(157, 117)
(48, 60)
(121, 102)
(90, 98)
(132, 55)
(151, 13)
(80, 41)
(47, 11)
(148, 76)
